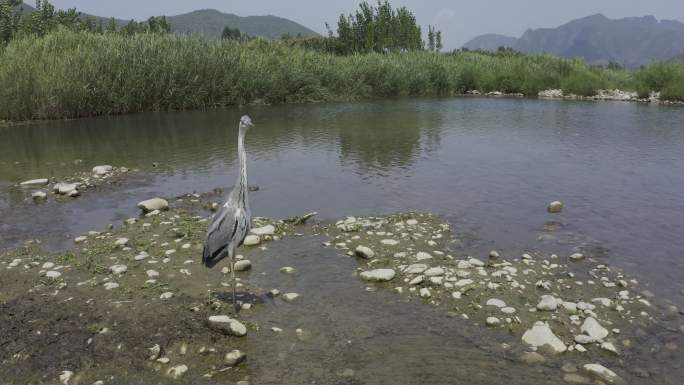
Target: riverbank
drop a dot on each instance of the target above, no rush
(77, 74)
(135, 296)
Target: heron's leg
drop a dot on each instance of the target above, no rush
(232, 275)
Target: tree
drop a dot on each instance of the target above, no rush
(158, 25)
(431, 39)
(231, 34)
(378, 28)
(438, 41)
(112, 26)
(10, 18)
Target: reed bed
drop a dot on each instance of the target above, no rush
(69, 74)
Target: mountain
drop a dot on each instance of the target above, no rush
(490, 42)
(631, 42)
(210, 23)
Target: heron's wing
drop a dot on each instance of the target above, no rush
(220, 235)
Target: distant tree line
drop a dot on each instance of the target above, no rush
(45, 19)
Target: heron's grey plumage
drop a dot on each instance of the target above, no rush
(232, 223)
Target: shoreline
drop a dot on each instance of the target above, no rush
(473, 94)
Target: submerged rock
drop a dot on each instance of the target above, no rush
(102, 170)
(602, 372)
(378, 275)
(547, 303)
(555, 207)
(154, 204)
(541, 335)
(289, 297)
(34, 182)
(252, 240)
(234, 357)
(243, 265)
(227, 325)
(39, 195)
(177, 372)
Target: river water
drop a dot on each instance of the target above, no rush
(489, 166)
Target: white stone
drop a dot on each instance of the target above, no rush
(476, 262)
(547, 303)
(121, 242)
(252, 240)
(34, 182)
(234, 357)
(228, 325)
(39, 195)
(416, 268)
(577, 257)
(364, 252)
(102, 170)
(378, 275)
(80, 239)
(154, 204)
(508, 310)
(111, 285)
(411, 222)
(593, 329)
(265, 230)
(389, 242)
(434, 272)
(65, 377)
(571, 307)
(177, 372)
(421, 256)
(541, 335)
(417, 280)
(287, 270)
(492, 321)
(65, 188)
(289, 297)
(118, 269)
(166, 295)
(53, 274)
(496, 302)
(555, 207)
(609, 347)
(463, 282)
(48, 265)
(243, 265)
(425, 292)
(601, 372)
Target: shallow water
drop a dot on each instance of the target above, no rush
(488, 165)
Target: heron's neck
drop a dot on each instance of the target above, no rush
(242, 177)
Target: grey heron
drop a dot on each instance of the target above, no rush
(232, 222)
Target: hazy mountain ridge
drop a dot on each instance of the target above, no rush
(210, 23)
(490, 42)
(632, 41)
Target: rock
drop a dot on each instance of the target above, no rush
(265, 230)
(496, 302)
(602, 372)
(289, 297)
(571, 307)
(155, 352)
(583, 339)
(434, 272)
(65, 377)
(121, 242)
(463, 282)
(425, 292)
(417, 280)
(154, 204)
(547, 303)
(421, 256)
(39, 196)
(416, 268)
(508, 310)
(593, 329)
(48, 265)
(53, 274)
(243, 265)
(389, 242)
(287, 270)
(118, 269)
(541, 335)
(555, 207)
(73, 193)
(111, 285)
(364, 252)
(577, 257)
(65, 188)
(492, 321)
(378, 275)
(494, 254)
(34, 182)
(609, 347)
(227, 325)
(166, 295)
(532, 358)
(234, 357)
(177, 372)
(80, 239)
(252, 240)
(411, 222)
(102, 170)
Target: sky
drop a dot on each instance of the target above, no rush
(459, 20)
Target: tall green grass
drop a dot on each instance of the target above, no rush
(70, 74)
